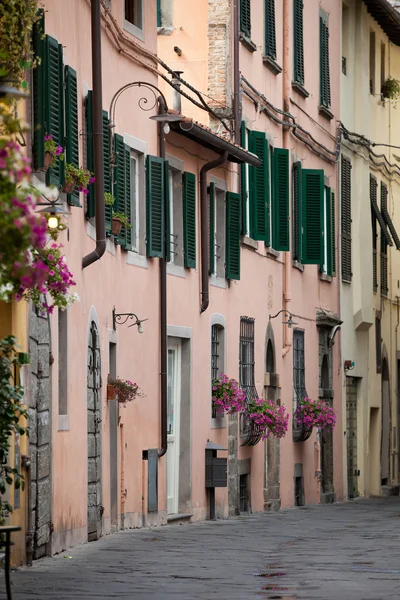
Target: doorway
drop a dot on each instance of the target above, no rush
(351, 429)
(386, 425)
(113, 422)
(94, 508)
(173, 424)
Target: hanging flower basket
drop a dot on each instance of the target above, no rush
(116, 225)
(227, 396)
(315, 413)
(69, 187)
(270, 418)
(122, 390)
(111, 392)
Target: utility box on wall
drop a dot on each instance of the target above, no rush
(216, 468)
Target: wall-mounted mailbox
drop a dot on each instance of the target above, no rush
(216, 468)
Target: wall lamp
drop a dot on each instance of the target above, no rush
(289, 321)
(54, 211)
(122, 318)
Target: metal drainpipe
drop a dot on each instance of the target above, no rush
(397, 391)
(286, 92)
(163, 305)
(236, 73)
(98, 138)
(204, 223)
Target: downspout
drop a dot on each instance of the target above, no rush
(204, 224)
(97, 138)
(286, 94)
(397, 392)
(236, 73)
(163, 304)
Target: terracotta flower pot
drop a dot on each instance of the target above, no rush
(116, 225)
(69, 187)
(111, 393)
(47, 161)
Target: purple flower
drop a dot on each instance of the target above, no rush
(59, 150)
(48, 137)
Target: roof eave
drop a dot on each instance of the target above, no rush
(387, 17)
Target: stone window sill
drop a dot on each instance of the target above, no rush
(247, 43)
(272, 65)
(246, 241)
(297, 265)
(272, 253)
(165, 30)
(300, 89)
(325, 112)
(325, 277)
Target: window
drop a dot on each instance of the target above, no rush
(372, 62)
(325, 85)
(245, 181)
(299, 377)
(384, 245)
(246, 357)
(62, 362)
(189, 220)
(270, 33)
(175, 214)
(378, 343)
(245, 18)
(217, 231)
(329, 245)
(385, 235)
(71, 127)
(159, 14)
(298, 43)
(217, 357)
(243, 493)
(308, 215)
(296, 212)
(346, 218)
(133, 15)
(383, 63)
(345, 38)
(134, 198)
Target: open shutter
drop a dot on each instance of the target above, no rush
(119, 184)
(212, 224)
(327, 234)
(189, 219)
(245, 18)
(168, 240)
(312, 216)
(159, 17)
(281, 235)
(127, 241)
(298, 41)
(333, 234)
(270, 34)
(71, 127)
(325, 88)
(260, 190)
(346, 218)
(297, 212)
(232, 236)
(244, 189)
(107, 168)
(155, 206)
(38, 92)
(90, 198)
(54, 104)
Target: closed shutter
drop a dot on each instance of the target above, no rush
(270, 34)
(54, 105)
(38, 92)
(298, 42)
(159, 19)
(312, 216)
(127, 242)
(90, 198)
(378, 343)
(346, 218)
(329, 234)
(333, 234)
(71, 127)
(189, 219)
(325, 87)
(297, 212)
(232, 236)
(244, 189)
(168, 240)
(280, 208)
(259, 200)
(107, 168)
(155, 206)
(122, 188)
(245, 18)
(212, 222)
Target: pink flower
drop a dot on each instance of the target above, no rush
(59, 150)
(48, 137)
(92, 179)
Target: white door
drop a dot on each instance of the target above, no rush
(173, 414)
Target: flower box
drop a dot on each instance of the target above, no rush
(47, 161)
(111, 393)
(116, 225)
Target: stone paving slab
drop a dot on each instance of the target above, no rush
(337, 552)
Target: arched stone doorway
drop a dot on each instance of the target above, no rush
(386, 425)
(272, 445)
(94, 508)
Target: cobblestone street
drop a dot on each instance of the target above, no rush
(345, 551)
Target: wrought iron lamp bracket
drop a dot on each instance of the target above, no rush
(122, 318)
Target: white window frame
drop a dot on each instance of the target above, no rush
(247, 167)
(218, 422)
(218, 278)
(134, 198)
(132, 28)
(138, 149)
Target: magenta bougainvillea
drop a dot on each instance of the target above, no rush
(270, 418)
(227, 395)
(315, 413)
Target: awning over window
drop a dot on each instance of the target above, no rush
(392, 229)
(381, 221)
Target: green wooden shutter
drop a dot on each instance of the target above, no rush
(325, 88)
(346, 218)
(189, 219)
(327, 233)
(168, 239)
(232, 225)
(259, 204)
(245, 18)
(90, 198)
(127, 242)
(280, 207)
(312, 216)
(243, 180)
(155, 206)
(71, 127)
(270, 34)
(212, 222)
(333, 234)
(297, 212)
(107, 168)
(119, 184)
(38, 92)
(298, 42)
(159, 19)
(54, 104)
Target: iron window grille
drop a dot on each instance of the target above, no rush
(216, 332)
(246, 357)
(243, 493)
(299, 377)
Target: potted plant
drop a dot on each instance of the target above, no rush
(122, 390)
(51, 152)
(77, 177)
(268, 417)
(227, 396)
(315, 413)
(119, 220)
(391, 88)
